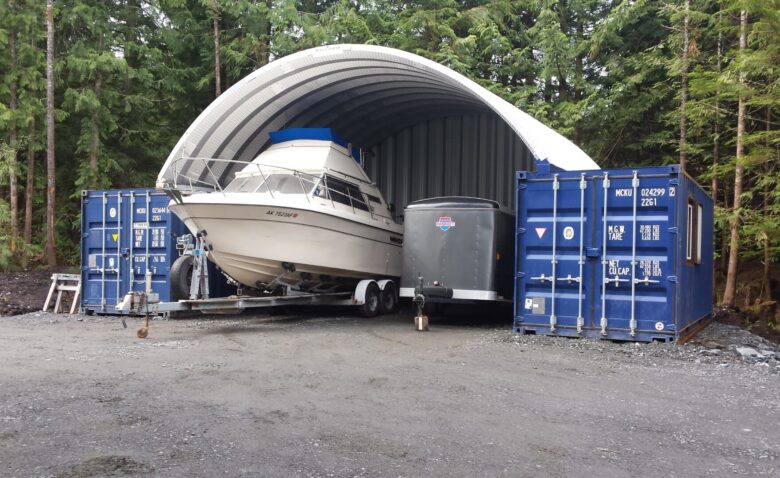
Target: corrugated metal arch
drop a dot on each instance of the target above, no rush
(403, 107)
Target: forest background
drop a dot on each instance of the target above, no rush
(632, 82)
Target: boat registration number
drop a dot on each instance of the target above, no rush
(275, 213)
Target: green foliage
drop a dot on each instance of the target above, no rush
(131, 75)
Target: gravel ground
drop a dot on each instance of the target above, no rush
(299, 395)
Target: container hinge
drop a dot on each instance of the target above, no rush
(672, 230)
(617, 280)
(543, 278)
(569, 279)
(672, 279)
(674, 182)
(521, 230)
(522, 185)
(520, 274)
(646, 280)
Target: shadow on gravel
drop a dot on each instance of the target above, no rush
(281, 318)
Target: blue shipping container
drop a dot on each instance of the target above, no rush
(124, 233)
(622, 254)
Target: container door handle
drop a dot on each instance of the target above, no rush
(543, 278)
(646, 281)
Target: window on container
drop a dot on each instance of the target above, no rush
(699, 219)
(693, 228)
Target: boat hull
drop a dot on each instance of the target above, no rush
(250, 243)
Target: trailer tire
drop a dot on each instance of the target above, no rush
(388, 299)
(371, 304)
(181, 277)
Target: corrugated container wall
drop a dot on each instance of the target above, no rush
(124, 233)
(473, 156)
(618, 254)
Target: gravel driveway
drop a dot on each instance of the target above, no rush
(304, 395)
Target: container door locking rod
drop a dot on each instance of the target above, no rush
(132, 240)
(604, 259)
(118, 244)
(553, 260)
(581, 262)
(632, 322)
(103, 259)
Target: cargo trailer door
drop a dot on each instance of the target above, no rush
(636, 234)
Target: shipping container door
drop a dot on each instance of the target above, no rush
(553, 232)
(151, 245)
(636, 235)
(102, 242)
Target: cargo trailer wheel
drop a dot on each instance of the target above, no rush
(388, 299)
(371, 302)
(181, 277)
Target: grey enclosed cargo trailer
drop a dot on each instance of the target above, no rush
(457, 249)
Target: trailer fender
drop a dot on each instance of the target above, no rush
(382, 283)
(360, 291)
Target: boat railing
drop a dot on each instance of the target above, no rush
(188, 179)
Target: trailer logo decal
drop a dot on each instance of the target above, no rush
(568, 233)
(115, 236)
(445, 223)
(540, 231)
(659, 326)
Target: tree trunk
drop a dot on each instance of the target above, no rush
(730, 293)
(765, 294)
(716, 141)
(13, 187)
(684, 89)
(95, 137)
(28, 190)
(217, 61)
(51, 249)
(578, 68)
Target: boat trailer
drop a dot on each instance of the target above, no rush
(373, 296)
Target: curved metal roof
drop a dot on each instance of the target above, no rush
(364, 92)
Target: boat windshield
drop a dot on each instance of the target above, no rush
(281, 183)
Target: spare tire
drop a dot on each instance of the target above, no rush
(180, 277)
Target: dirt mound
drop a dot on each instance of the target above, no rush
(761, 324)
(23, 292)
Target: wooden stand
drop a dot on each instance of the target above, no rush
(63, 283)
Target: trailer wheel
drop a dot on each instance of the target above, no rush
(181, 277)
(388, 299)
(371, 304)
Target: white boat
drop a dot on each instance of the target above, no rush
(303, 214)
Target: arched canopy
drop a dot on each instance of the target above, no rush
(365, 93)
